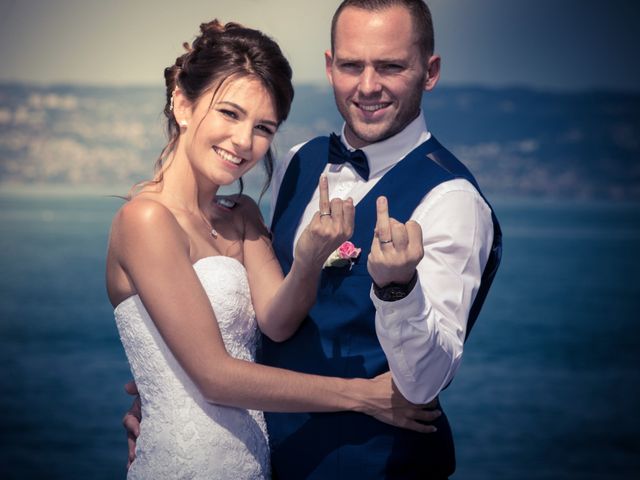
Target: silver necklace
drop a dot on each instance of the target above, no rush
(212, 231)
(224, 202)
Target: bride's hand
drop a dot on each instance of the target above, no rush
(387, 404)
(331, 225)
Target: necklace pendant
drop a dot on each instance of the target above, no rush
(214, 233)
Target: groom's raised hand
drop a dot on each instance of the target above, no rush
(396, 249)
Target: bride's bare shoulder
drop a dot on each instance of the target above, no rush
(143, 211)
(143, 219)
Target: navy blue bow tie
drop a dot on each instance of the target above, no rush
(339, 154)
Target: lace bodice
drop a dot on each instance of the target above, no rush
(181, 435)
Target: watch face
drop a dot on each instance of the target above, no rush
(394, 291)
(397, 293)
(391, 293)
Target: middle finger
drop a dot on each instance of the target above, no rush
(383, 231)
(323, 186)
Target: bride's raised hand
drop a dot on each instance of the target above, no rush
(385, 403)
(330, 226)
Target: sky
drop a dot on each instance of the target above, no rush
(562, 45)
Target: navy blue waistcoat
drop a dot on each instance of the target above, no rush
(338, 337)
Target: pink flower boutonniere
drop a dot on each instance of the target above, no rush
(344, 255)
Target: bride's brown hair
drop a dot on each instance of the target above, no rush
(219, 53)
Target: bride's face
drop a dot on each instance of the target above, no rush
(227, 134)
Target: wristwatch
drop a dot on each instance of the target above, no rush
(395, 291)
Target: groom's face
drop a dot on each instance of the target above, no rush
(378, 72)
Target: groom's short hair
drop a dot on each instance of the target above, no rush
(419, 11)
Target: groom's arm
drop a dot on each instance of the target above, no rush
(423, 333)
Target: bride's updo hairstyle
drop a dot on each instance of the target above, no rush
(223, 53)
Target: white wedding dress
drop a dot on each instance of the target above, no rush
(181, 435)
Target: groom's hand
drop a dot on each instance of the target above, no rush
(131, 421)
(396, 249)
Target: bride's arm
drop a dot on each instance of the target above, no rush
(156, 259)
(282, 303)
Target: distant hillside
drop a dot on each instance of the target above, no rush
(517, 142)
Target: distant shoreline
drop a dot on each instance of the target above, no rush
(44, 189)
(517, 141)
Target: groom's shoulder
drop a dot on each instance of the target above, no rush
(282, 166)
(311, 147)
(312, 142)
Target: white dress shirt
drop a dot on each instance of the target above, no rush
(422, 334)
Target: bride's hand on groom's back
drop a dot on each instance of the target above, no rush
(387, 404)
(131, 421)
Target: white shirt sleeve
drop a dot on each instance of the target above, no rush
(423, 334)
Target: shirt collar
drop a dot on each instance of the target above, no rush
(384, 154)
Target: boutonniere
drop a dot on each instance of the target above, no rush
(342, 256)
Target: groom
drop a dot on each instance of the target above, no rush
(411, 297)
(394, 308)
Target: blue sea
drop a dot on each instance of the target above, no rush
(549, 387)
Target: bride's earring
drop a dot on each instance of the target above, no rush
(182, 123)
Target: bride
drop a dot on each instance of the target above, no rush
(192, 276)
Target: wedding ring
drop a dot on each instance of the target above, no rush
(322, 214)
(384, 241)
